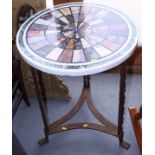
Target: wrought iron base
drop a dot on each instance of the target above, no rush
(57, 126)
(106, 127)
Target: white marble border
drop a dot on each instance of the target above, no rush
(82, 68)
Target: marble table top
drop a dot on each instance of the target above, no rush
(77, 39)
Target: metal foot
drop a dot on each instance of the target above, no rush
(125, 145)
(43, 141)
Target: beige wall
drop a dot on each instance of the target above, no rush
(16, 4)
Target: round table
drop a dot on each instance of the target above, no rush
(78, 39)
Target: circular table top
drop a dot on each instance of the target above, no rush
(77, 39)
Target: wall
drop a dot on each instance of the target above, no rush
(16, 4)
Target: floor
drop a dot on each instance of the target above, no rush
(28, 126)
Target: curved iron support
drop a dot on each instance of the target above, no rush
(83, 125)
(69, 115)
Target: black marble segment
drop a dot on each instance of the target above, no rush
(70, 19)
(76, 17)
(58, 21)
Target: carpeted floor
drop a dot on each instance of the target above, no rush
(28, 126)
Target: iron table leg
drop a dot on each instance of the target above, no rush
(39, 74)
(121, 106)
(42, 104)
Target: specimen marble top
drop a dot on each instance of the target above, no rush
(77, 39)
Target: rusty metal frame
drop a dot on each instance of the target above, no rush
(106, 127)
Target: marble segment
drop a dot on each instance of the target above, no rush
(68, 27)
(66, 56)
(86, 31)
(75, 10)
(78, 56)
(65, 11)
(32, 33)
(45, 50)
(77, 36)
(37, 45)
(84, 26)
(64, 20)
(84, 10)
(59, 41)
(81, 24)
(93, 11)
(70, 18)
(55, 32)
(42, 22)
(118, 33)
(90, 54)
(97, 34)
(81, 18)
(76, 25)
(37, 27)
(34, 39)
(102, 51)
(57, 13)
(90, 41)
(117, 39)
(87, 18)
(113, 46)
(52, 31)
(54, 25)
(76, 18)
(53, 37)
(64, 43)
(102, 13)
(77, 44)
(69, 34)
(58, 21)
(112, 18)
(48, 17)
(85, 44)
(95, 38)
(98, 21)
(71, 44)
(100, 26)
(121, 26)
(103, 28)
(54, 54)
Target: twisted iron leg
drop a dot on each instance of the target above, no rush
(39, 74)
(121, 106)
(42, 105)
